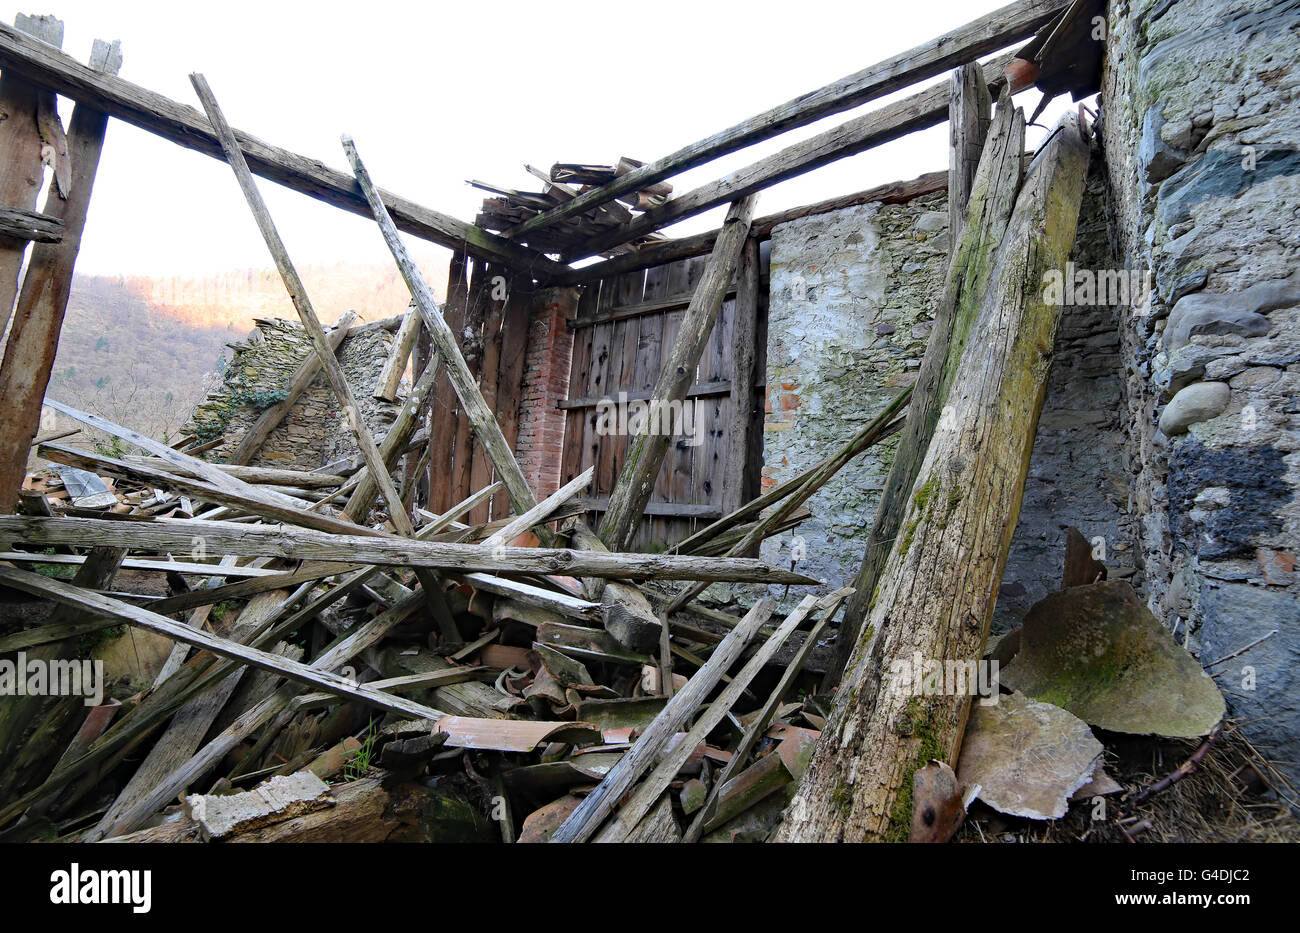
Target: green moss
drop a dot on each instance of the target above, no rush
(924, 493)
(916, 723)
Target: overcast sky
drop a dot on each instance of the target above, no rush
(438, 93)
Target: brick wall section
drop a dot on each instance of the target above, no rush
(545, 384)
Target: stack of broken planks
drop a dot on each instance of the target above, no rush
(564, 182)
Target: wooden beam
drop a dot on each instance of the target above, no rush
(304, 376)
(970, 109)
(186, 127)
(646, 451)
(391, 375)
(21, 170)
(303, 544)
(254, 505)
(38, 317)
(538, 513)
(958, 526)
(993, 195)
(631, 812)
(996, 30)
(917, 112)
(31, 226)
(628, 615)
(69, 595)
(736, 481)
(666, 251)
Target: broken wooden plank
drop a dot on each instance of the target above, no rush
(513, 735)
(391, 375)
(622, 823)
(305, 544)
(587, 818)
(30, 226)
(70, 595)
(828, 605)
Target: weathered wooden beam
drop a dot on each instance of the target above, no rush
(989, 208)
(737, 480)
(303, 544)
(639, 804)
(190, 724)
(38, 316)
(917, 112)
(584, 821)
(827, 606)
(187, 127)
(540, 512)
(304, 376)
(70, 595)
(253, 504)
(957, 531)
(21, 168)
(646, 451)
(30, 226)
(970, 109)
(996, 30)
(391, 375)
(658, 254)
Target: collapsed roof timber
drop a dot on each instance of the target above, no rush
(478, 602)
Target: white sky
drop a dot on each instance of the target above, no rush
(438, 93)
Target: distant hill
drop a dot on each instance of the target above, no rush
(142, 351)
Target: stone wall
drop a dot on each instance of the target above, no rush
(850, 300)
(1201, 130)
(314, 432)
(852, 296)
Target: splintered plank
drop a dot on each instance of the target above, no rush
(513, 735)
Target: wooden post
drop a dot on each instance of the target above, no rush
(391, 375)
(936, 596)
(267, 422)
(20, 153)
(34, 336)
(442, 424)
(992, 198)
(970, 108)
(736, 482)
(645, 454)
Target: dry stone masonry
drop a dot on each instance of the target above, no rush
(314, 431)
(1202, 142)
